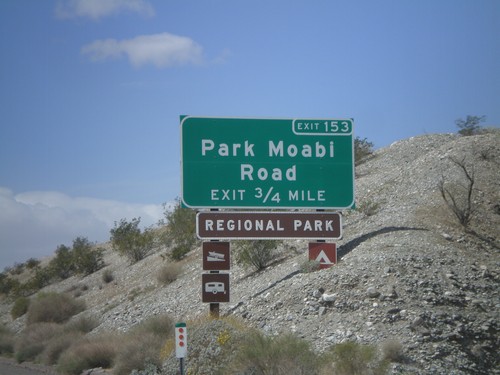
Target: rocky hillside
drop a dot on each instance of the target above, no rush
(407, 272)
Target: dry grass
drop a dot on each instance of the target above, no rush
(99, 351)
(58, 345)
(34, 339)
(169, 273)
(143, 345)
(392, 350)
(6, 341)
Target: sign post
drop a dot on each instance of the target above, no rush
(247, 163)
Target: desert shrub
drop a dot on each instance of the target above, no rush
(279, 355)
(351, 358)
(57, 345)
(20, 307)
(256, 254)
(32, 263)
(53, 307)
(8, 284)
(369, 207)
(309, 266)
(143, 345)
(128, 239)
(180, 234)
(62, 264)
(83, 324)
(86, 258)
(107, 276)
(17, 269)
(34, 339)
(392, 351)
(362, 149)
(160, 325)
(99, 351)
(169, 273)
(6, 341)
(41, 278)
(137, 352)
(150, 369)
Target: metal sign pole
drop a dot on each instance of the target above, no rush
(181, 363)
(215, 310)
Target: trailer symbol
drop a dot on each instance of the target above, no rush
(215, 287)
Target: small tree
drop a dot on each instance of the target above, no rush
(180, 233)
(460, 200)
(470, 126)
(362, 149)
(128, 239)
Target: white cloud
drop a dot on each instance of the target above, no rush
(161, 50)
(96, 9)
(33, 224)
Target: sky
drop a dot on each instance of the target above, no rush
(91, 92)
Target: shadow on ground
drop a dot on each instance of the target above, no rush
(351, 245)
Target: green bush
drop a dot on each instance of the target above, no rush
(8, 285)
(256, 254)
(180, 234)
(54, 308)
(20, 307)
(128, 239)
(351, 358)
(362, 149)
(32, 263)
(62, 265)
(87, 258)
(83, 258)
(107, 276)
(41, 278)
(280, 355)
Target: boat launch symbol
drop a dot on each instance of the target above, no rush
(214, 256)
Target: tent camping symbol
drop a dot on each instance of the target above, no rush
(322, 258)
(323, 252)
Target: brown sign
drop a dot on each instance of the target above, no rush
(323, 252)
(216, 256)
(215, 287)
(268, 225)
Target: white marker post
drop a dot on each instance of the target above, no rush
(181, 344)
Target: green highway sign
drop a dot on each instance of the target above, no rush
(267, 163)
